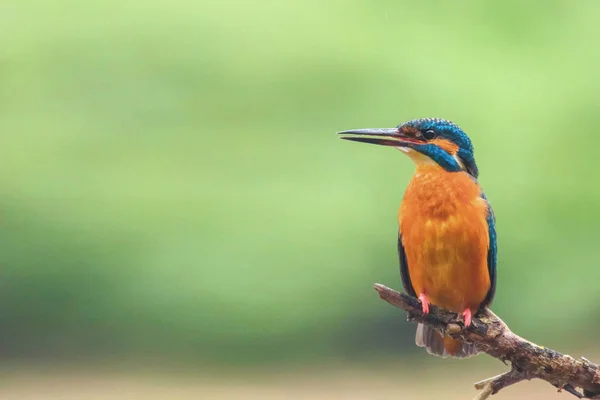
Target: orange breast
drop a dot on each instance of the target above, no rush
(445, 235)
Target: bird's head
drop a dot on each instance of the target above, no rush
(426, 141)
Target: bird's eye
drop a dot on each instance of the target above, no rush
(429, 134)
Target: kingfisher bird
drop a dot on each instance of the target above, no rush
(447, 245)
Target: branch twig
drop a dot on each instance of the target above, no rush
(492, 336)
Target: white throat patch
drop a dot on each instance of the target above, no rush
(418, 158)
(422, 159)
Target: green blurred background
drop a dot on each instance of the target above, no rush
(174, 202)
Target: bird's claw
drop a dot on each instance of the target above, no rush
(467, 317)
(424, 303)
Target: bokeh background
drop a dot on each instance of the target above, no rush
(178, 219)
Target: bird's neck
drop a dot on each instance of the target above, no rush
(431, 169)
(432, 177)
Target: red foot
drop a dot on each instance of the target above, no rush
(467, 317)
(424, 303)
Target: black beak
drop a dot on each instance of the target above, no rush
(381, 136)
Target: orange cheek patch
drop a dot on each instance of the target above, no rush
(447, 145)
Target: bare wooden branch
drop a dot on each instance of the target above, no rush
(492, 336)
(493, 385)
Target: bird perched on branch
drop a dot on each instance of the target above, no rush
(447, 239)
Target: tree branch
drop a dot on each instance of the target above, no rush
(491, 335)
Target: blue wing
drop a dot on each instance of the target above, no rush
(408, 288)
(492, 254)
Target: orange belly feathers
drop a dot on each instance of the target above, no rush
(444, 231)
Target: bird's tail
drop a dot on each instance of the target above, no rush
(442, 346)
